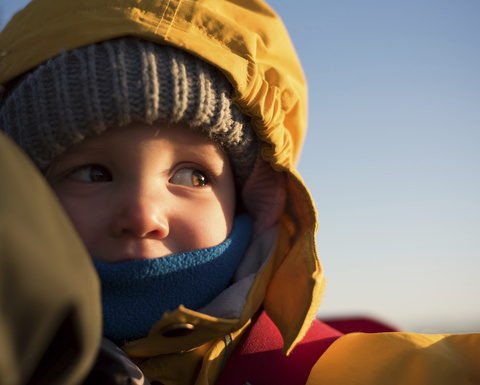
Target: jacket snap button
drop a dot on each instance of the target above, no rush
(177, 330)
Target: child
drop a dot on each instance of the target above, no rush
(150, 191)
(146, 119)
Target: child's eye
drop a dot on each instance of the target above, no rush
(189, 177)
(92, 173)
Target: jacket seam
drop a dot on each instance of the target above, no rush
(163, 16)
(174, 17)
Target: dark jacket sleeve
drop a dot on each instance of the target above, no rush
(50, 315)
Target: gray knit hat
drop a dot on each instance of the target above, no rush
(112, 83)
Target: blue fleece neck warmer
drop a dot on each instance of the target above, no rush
(135, 294)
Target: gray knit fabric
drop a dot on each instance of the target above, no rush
(110, 84)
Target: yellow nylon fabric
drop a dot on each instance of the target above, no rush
(399, 358)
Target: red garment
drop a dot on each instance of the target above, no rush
(258, 358)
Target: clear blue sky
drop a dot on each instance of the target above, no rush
(392, 157)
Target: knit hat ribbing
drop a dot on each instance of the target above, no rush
(112, 83)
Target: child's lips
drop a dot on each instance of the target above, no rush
(140, 256)
(142, 251)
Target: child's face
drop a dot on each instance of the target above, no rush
(144, 192)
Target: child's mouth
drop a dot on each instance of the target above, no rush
(131, 252)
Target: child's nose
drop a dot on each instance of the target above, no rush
(141, 217)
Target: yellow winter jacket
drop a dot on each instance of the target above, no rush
(248, 43)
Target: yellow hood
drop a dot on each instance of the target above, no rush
(249, 44)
